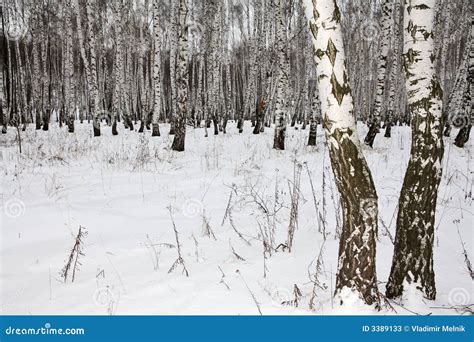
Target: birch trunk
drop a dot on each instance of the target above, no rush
(356, 269)
(261, 57)
(156, 70)
(281, 105)
(69, 72)
(452, 106)
(23, 108)
(199, 90)
(3, 84)
(173, 63)
(395, 70)
(374, 124)
(311, 99)
(45, 78)
(93, 82)
(445, 41)
(140, 84)
(181, 79)
(117, 92)
(228, 92)
(214, 62)
(465, 117)
(36, 82)
(82, 49)
(413, 255)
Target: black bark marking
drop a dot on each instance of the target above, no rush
(338, 90)
(331, 51)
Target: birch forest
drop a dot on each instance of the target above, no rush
(252, 157)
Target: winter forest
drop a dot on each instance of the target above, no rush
(244, 157)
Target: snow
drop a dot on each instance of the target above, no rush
(120, 188)
(351, 303)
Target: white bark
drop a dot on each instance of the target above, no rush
(281, 104)
(69, 71)
(93, 81)
(45, 79)
(173, 55)
(181, 79)
(413, 255)
(395, 68)
(376, 114)
(356, 267)
(156, 68)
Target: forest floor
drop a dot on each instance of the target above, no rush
(126, 189)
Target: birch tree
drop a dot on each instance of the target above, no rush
(36, 86)
(156, 70)
(395, 70)
(3, 84)
(467, 111)
(374, 125)
(311, 97)
(213, 61)
(22, 107)
(451, 107)
(45, 99)
(82, 46)
(448, 9)
(173, 37)
(118, 87)
(181, 79)
(69, 70)
(413, 255)
(356, 268)
(281, 104)
(93, 82)
(3, 101)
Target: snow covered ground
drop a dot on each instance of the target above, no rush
(122, 188)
